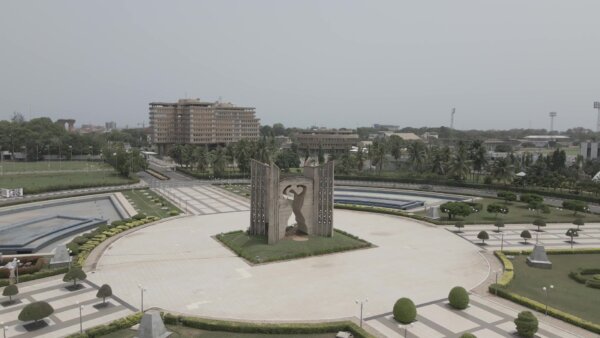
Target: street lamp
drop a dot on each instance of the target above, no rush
(17, 268)
(496, 288)
(80, 317)
(70, 153)
(70, 257)
(4, 328)
(362, 303)
(502, 243)
(142, 290)
(546, 293)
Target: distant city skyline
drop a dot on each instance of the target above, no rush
(337, 63)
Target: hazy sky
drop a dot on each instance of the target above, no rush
(502, 64)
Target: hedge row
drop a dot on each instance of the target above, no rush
(591, 281)
(567, 317)
(60, 187)
(555, 251)
(158, 175)
(37, 265)
(117, 325)
(207, 176)
(37, 275)
(265, 328)
(453, 183)
(508, 274)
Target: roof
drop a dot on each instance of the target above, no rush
(546, 137)
(404, 136)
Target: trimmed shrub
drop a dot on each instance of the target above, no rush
(526, 235)
(538, 222)
(35, 311)
(75, 274)
(459, 225)
(458, 298)
(483, 235)
(527, 324)
(104, 291)
(468, 335)
(10, 291)
(405, 311)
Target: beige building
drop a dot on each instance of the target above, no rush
(191, 121)
(330, 140)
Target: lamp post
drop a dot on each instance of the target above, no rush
(496, 288)
(70, 257)
(80, 317)
(70, 153)
(546, 293)
(142, 290)
(48, 156)
(502, 243)
(362, 303)
(4, 328)
(17, 268)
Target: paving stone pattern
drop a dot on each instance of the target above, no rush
(203, 199)
(65, 319)
(437, 319)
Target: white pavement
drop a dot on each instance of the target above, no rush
(185, 270)
(203, 199)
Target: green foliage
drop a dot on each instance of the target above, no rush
(572, 233)
(483, 236)
(526, 235)
(139, 216)
(405, 311)
(458, 298)
(35, 311)
(507, 196)
(499, 224)
(104, 291)
(579, 222)
(107, 329)
(10, 291)
(468, 335)
(538, 222)
(456, 209)
(575, 206)
(527, 324)
(459, 225)
(497, 209)
(528, 198)
(75, 274)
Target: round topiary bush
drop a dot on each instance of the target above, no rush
(527, 324)
(597, 277)
(458, 298)
(468, 335)
(405, 311)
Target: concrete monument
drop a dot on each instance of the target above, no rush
(538, 258)
(152, 326)
(274, 198)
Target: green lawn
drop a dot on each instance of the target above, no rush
(38, 183)
(182, 331)
(146, 203)
(567, 295)
(256, 250)
(20, 167)
(518, 213)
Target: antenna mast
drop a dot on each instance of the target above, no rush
(452, 118)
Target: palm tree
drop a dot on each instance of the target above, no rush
(416, 154)
(479, 159)
(459, 168)
(378, 154)
(438, 165)
(201, 158)
(219, 162)
(502, 170)
(360, 157)
(395, 145)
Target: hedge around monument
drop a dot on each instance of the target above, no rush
(527, 324)
(458, 298)
(35, 311)
(405, 311)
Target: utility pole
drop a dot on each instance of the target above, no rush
(452, 118)
(597, 106)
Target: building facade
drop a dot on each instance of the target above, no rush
(191, 121)
(330, 140)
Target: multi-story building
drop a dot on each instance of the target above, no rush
(330, 140)
(191, 121)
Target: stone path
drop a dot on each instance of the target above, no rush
(552, 236)
(437, 319)
(203, 199)
(65, 319)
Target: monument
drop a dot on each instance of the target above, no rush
(538, 258)
(309, 197)
(152, 326)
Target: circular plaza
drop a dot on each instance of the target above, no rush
(185, 269)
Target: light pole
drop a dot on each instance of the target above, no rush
(496, 288)
(80, 317)
(502, 243)
(142, 290)
(546, 293)
(362, 303)
(70, 153)
(17, 268)
(3, 329)
(70, 257)
(48, 156)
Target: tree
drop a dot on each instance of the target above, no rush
(416, 154)
(539, 223)
(287, 159)
(458, 298)
(468, 335)
(528, 198)
(572, 233)
(575, 206)
(459, 226)
(10, 291)
(103, 292)
(497, 209)
(377, 154)
(502, 170)
(405, 311)
(75, 274)
(35, 311)
(507, 196)
(321, 155)
(527, 324)
(578, 222)
(499, 224)
(525, 234)
(483, 235)
(219, 162)
(456, 209)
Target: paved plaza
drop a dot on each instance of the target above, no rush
(437, 319)
(552, 236)
(65, 319)
(203, 199)
(195, 274)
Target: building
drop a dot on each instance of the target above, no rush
(403, 136)
(191, 121)
(110, 125)
(330, 140)
(541, 141)
(390, 127)
(589, 150)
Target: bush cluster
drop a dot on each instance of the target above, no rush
(588, 277)
(458, 298)
(405, 311)
(37, 263)
(117, 325)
